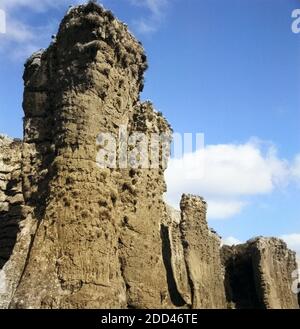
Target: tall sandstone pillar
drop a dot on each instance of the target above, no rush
(195, 256)
(97, 242)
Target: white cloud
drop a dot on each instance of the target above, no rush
(155, 6)
(2, 21)
(151, 22)
(295, 170)
(22, 38)
(222, 209)
(231, 174)
(145, 26)
(293, 242)
(231, 241)
(19, 32)
(152, 17)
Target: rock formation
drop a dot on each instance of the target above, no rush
(259, 274)
(77, 234)
(11, 197)
(195, 256)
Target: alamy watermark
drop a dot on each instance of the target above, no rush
(138, 150)
(296, 282)
(2, 21)
(296, 22)
(2, 282)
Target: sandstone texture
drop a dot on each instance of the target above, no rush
(199, 277)
(11, 196)
(79, 233)
(259, 274)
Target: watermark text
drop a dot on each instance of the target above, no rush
(296, 22)
(296, 282)
(138, 150)
(2, 21)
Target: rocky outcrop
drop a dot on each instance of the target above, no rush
(83, 223)
(16, 226)
(97, 240)
(11, 197)
(259, 274)
(199, 278)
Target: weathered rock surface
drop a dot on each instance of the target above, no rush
(259, 274)
(16, 226)
(77, 234)
(199, 278)
(98, 239)
(11, 197)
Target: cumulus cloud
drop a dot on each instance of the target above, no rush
(222, 209)
(231, 241)
(18, 31)
(295, 170)
(21, 37)
(231, 173)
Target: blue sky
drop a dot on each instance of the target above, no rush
(227, 68)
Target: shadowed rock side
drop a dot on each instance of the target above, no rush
(178, 263)
(259, 274)
(77, 234)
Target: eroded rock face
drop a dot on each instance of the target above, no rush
(201, 253)
(98, 239)
(11, 197)
(77, 234)
(259, 274)
(16, 226)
